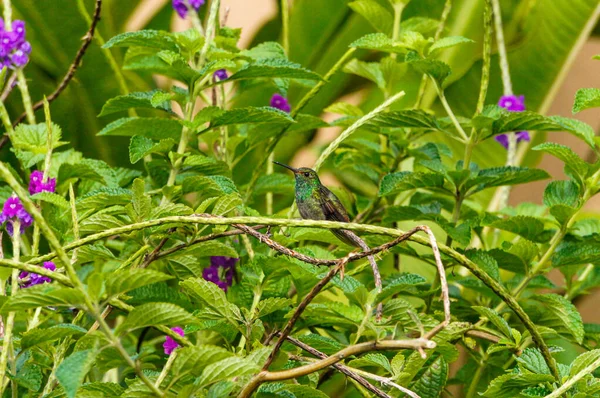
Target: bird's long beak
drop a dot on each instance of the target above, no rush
(286, 166)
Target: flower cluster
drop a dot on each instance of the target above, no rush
(220, 271)
(12, 211)
(14, 49)
(278, 101)
(182, 6)
(37, 184)
(512, 103)
(170, 344)
(35, 279)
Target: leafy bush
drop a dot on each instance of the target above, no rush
(183, 270)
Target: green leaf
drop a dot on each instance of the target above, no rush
(413, 118)
(406, 180)
(212, 297)
(251, 115)
(324, 344)
(381, 18)
(402, 283)
(143, 38)
(447, 42)
(43, 296)
(210, 248)
(437, 70)
(560, 311)
(566, 154)
(372, 359)
(140, 146)
(165, 62)
(485, 261)
(586, 98)
(34, 138)
(37, 336)
(209, 186)
(52, 198)
(495, 319)
(154, 128)
(378, 42)
(154, 314)
(274, 68)
(510, 385)
(71, 372)
(194, 359)
(88, 169)
(583, 361)
(301, 391)
(272, 304)
(531, 228)
(144, 100)
(225, 369)
(369, 70)
(128, 279)
(432, 382)
(505, 175)
(562, 197)
(573, 253)
(533, 360)
(30, 376)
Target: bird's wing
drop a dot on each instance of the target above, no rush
(332, 207)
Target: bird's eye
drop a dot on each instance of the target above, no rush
(306, 174)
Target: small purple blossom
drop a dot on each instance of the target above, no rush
(182, 6)
(278, 101)
(37, 184)
(14, 49)
(512, 103)
(35, 279)
(13, 210)
(221, 74)
(220, 271)
(170, 344)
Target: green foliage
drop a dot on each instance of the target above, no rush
(132, 226)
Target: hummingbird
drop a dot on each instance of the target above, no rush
(316, 202)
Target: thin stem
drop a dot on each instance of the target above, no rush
(10, 319)
(27, 104)
(573, 380)
(165, 371)
(7, 12)
(6, 120)
(210, 30)
(449, 111)
(285, 25)
(472, 391)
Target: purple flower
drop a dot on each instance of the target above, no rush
(14, 49)
(278, 101)
(182, 6)
(13, 210)
(221, 74)
(512, 103)
(169, 345)
(220, 271)
(37, 184)
(35, 279)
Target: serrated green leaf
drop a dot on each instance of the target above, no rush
(227, 203)
(154, 314)
(42, 296)
(270, 305)
(149, 127)
(380, 17)
(369, 70)
(324, 344)
(274, 68)
(495, 319)
(99, 222)
(141, 203)
(432, 382)
(437, 70)
(194, 359)
(566, 154)
(212, 297)
(34, 137)
(562, 312)
(533, 360)
(125, 280)
(562, 197)
(144, 100)
(276, 182)
(506, 175)
(573, 253)
(225, 369)
(251, 115)
(406, 180)
(586, 98)
(143, 38)
(401, 283)
(530, 228)
(447, 42)
(141, 146)
(164, 62)
(510, 385)
(301, 391)
(372, 359)
(30, 376)
(485, 261)
(37, 336)
(71, 372)
(209, 185)
(583, 361)
(51, 197)
(413, 118)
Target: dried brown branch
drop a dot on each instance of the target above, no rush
(344, 369)
(87, 40)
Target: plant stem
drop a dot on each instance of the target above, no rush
(472, 391)
(6, 119)
(166, 369)
(573, 380)
(26, 97)
(210, 30)
(449, 111)
(10, 319)
(285, 25)
(7, 12)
